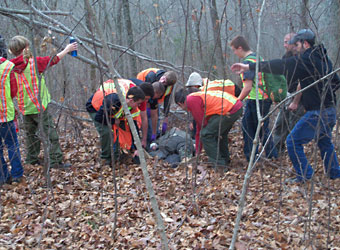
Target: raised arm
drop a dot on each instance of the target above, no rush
(69, 48)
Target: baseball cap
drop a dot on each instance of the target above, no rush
(195, 79)
(304, 34)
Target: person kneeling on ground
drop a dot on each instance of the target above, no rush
(215, 112)
(109, 107)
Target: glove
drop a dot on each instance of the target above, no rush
(164, 127)
(153, 137)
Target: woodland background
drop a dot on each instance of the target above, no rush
(198, 210)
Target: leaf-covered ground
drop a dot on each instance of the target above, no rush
(80, 212)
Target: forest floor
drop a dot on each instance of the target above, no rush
(79, 212)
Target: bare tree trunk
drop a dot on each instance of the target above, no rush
(159, 50)
(331, 20)
(119, 33)
(241, 16)
(196, 20)
(186, 14)
(217, 39)
(148, 183)
(304, 13)
(127, 19)
(93, 82)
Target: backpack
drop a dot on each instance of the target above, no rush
(276, 86)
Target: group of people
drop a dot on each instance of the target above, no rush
(310, 115)
(215, 106)
(304, 71)
(22, 78)
(143, 94)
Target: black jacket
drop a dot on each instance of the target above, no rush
(112, 106)
(308, 67)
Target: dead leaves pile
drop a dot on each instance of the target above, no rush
(80, 213)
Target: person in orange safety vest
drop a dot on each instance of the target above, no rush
(195, 82)
(108, 107)
(215, 113)
(168, 79)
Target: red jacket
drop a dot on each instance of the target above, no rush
(20, 66)
(42, 63)
(195, 105)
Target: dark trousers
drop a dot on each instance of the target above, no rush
(249, 126)
(285, 123)
(104, 135)
(213, 131)
(8, 137)
(31, 125)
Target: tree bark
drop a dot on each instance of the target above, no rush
(304, 14)
(159, 49)
(196, 21)
(215, 21)
(127, 19)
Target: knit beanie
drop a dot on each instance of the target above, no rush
(194, 80)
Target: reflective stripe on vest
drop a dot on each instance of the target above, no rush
(252, 94)
(7, 110)
(134, 113)
(220, 85)
(109, 88)
(124, 136)
(142, 75)
(168, 91)
(120, 112)
(28, 91)
(216, 102)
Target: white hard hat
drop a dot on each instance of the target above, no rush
(194, 80)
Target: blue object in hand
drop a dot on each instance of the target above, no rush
(164, 127)
(73, 40)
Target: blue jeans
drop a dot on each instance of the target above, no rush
(315, 125)
(9, 137)
(249, 126)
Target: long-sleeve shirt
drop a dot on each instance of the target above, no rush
(308, 67)
(42, 63)
(195, 106)
(152, 77)
(113, 104)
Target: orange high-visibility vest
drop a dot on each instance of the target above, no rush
(220, 85)
(28, 91)
(125, 136)
(109, 88)
(216, 102)
(142, 75)
(7, 110)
